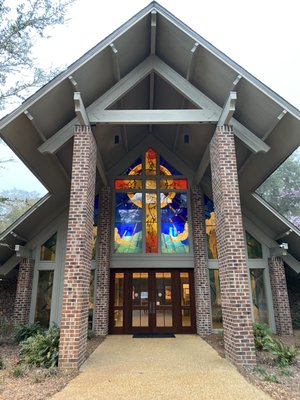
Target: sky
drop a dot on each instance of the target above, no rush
(260, 35)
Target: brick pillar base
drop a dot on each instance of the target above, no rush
(202, 294)
(103, 263)
(282, 312)
(234, 282)
(74, 318)
(23, 293)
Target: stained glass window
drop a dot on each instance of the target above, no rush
(128, 223)
(48, 249)
(210, 227)
(254, 248)
(143, 204)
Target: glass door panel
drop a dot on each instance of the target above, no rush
(185, 299)
(119, 300)
(140, 299)
(163, 300)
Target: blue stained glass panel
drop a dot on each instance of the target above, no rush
(174, 223)
(166, 169)
(128, 223)
(135, 168)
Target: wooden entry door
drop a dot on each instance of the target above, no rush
(152, 301)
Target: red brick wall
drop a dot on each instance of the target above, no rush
(202, 294)
(23, 293)
(8, 288)
(282, 312)
(103, 262)
(74, 318)
(234, 282)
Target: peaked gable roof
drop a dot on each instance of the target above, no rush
(155, 62)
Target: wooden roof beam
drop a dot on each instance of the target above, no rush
(188, 76)
(141, 117)
(195, 96)
(55, 142)
(153, 33)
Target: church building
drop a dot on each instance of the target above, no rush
(152, 147)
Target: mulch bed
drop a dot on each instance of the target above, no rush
(36, 383)
(288, 387)
(40, 384)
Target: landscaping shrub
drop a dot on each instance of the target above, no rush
(41, 349)
(2, 364)
(24, 331)
(262, 335)
(283, 354)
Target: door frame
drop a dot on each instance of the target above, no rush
(176, 306)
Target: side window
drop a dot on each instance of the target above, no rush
(48, 249)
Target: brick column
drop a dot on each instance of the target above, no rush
(23, 293)
(234, 281)
(202, 294)
(74, 318)
(282, 312)
(103, 263)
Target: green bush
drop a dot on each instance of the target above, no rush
(20, 370)
(283, 354)
(24, 331)
(41, 349)
(2, 364)
(267, 376)
(262, 336)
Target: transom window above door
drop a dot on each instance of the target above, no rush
(151, 208)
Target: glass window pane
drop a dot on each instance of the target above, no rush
(259, 298)
(91, 298)
(166, 168)
(215, 296)
(180, 184)
(118, 318)
(151, 223)
(48, 249)
(135, 168)
(140, 318)
(94, 241)
(254, 248)
(186, 317)
(150, 184)
(185, 289)
(119, 289)
(44, 297)
(163, 288)
(164, 318)
(140, 289)
(174, 223)
(128, 184)
(150, 162)
(128, 223)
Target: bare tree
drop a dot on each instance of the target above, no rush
(22, 22)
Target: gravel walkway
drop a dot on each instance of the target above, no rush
(182, 368)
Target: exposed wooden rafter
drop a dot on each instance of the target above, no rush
(188, 76)
(74, 84)
(200, 100)
(84, 120)
(117, 75)
(53, 144)
(153, 33)
(272, 126)
(43, 137)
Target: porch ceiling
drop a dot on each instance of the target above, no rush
(155, 33)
